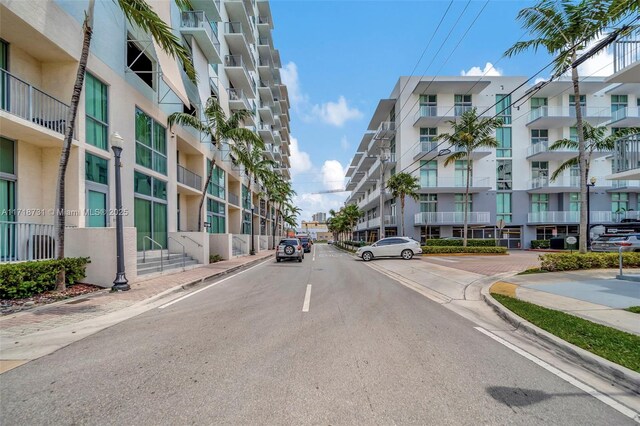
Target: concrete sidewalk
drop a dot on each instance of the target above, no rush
(594, 295)
(33, 333)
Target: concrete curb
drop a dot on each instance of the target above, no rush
(618, 374)
(203, 280)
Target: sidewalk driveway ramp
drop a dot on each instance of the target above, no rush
(612, 293)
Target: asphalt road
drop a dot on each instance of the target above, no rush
(244, 351)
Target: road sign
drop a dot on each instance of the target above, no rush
(500, 223)
(571, 240)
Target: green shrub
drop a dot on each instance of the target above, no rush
(572, 261)
(540, 244)
(479, 250)
(19, 280)
(458, 243)
(215, 258)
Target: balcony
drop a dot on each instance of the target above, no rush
(626, 159)
(265, 132)
(432, 115)
(238, 11)
(239, 75)
(189, 178)
(233, 199)
(626, 59)
(386, 130)
(453, 185)
(554, 117)
(210, 7)
(545, 185)
(268, 151)
(632, 186)
(237, 100)
(389, 220)
(425, 150)
(451, 218)
(626, 117)
(539, 151)
(196, 24)
(560, 217)
(237, 41)
(265, 91)
(26, 241)
(264, 109)
(34, 116)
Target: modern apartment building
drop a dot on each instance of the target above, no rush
(131, 87)
(511, 186)
(319, 217)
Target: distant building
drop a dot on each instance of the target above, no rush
(319, 217)
(316, 230)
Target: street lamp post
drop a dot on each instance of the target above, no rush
(120, 283)
(253, 250)
(592, 182)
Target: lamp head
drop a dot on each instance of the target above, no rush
(592, 180)
(116, 140)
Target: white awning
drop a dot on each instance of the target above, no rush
(169, 66)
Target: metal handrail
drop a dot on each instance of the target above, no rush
(192, 240)
(144, 250)
(169, 252)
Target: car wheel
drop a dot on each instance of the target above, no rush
(367, 256)
(300, 259)
(277, 259)
(289, 250)
(406, 254)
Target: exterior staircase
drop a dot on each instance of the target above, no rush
(170, 262)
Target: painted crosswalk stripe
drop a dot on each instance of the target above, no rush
(443, 260)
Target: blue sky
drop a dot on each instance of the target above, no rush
(340, 58)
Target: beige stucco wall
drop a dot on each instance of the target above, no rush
(220, 244)
(196, 245)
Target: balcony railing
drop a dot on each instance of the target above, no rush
(389, 220)
(26, 241)
(234, 199)
(626, 51)
(627, 154)
(569, 217)
(233, 28)
(238, 95)
(568, 111)
(19, 98)
(454, 182)
(198, 19)
(625, 112)
(543, 146)
(189, 178)
(434, 218)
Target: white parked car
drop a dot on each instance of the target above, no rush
(404, 247)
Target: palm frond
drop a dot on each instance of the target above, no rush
(563, 144)
(460, 155)
(564, 166)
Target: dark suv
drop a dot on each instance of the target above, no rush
(306, 243)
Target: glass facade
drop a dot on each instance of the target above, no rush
(96, 107)
(461, 173)
(503, 136)
(503, 206)
(539, 135)
(459, 203)
(428, 203)
(539, 203)
(428, 174)
(97, 181)
(151, 143)
(246, 198)
(462, 104)
(427, 135)
(503, 108)
(619, 202)
(216, 186)
(428, 105)
(215, 217)
(150, 210)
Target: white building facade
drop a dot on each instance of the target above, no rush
(511, 186)
(131, 87)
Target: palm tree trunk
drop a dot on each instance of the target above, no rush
(466, 202)
(582, 160)
(212, 164)
(60, 217)
(252, 250)
(402, 216)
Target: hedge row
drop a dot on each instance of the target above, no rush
(540, 244)
(19, 280)
(458, 243)
(572, 261)
(354, 243)
(480, 250)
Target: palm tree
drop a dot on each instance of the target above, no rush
(270, 182)
(564, 28)
(138, 13)
(402, 185)
(595, 140)
(256, 166)
(282, 195)
(469, 134)
(219, 128)
(351, 215)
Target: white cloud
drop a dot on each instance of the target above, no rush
(333, 175)
(333, 113)
(488, 71)
(344, 143)
(314, 203)
(300, 161)
(599, 65)
(540, 80)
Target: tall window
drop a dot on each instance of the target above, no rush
(459, 203)
(427, 134)
(428, 105)
(574, 175)
(539, 203)
(539, 107)
(572, 105)
(503, 206)
(503, 136)
(503, 108)
(619, 202)
(7, 194)
(4, 65)
(539, 136)
(573, 134)
(215, 217)
(504, 176)
(462, 104)
(428, 174)
(246, 223)
(619, 104)
(461, 173)
(151, 143)
(150, 210)
(574, 201)
(97, 190)
(428, 203)
(216, 185)
(96, 106)
(540, 171)
(246, 198)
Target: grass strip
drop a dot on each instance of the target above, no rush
(615, 345)
(634, 309)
